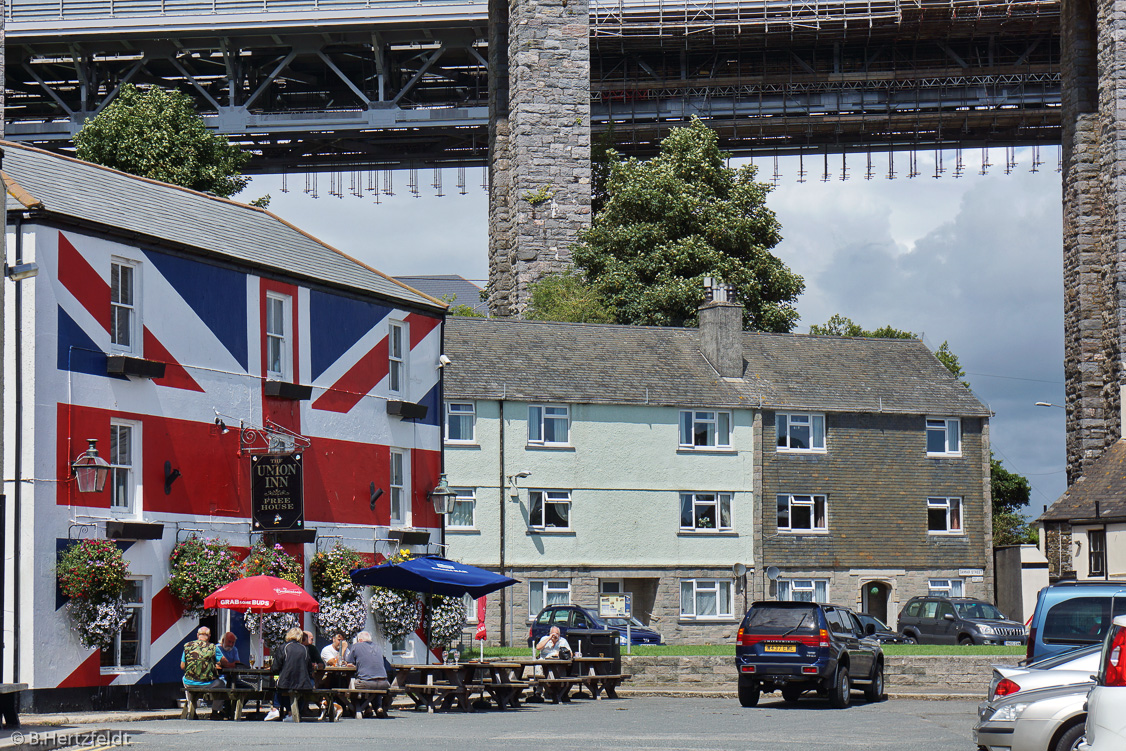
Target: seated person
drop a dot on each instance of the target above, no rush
(372, 672)
(332, 653)
(549, 646)
(200, 663)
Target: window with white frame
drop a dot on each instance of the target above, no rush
(551, 509)
(549, 425)
(798, 431)
(944, 436)
(701, 429)
(945, 588)
(124, 329)
(944, 516)
(803, 590)
(124, 449)
(400, 498)
(465, 503)
(279, 339)
(397, 357)
(705, 598)
(705, 511)
(460, 419)
(544, 592)
(400, 646)
(802, 513)
(127, 649)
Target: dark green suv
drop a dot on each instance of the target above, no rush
(794, 647)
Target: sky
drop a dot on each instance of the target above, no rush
(975, 261)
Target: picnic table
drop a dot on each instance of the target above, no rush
(595, 674)
(438, 685)
(556, 679)
(243, 685)
(497, 678)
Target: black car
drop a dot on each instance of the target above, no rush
(794, 647)
(877, 629)
(957, 620)
(567, 617)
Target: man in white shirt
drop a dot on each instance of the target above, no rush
(332, 653)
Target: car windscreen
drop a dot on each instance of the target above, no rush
(871, 620)
(979, 611)
(768, 620)
(1081, 620)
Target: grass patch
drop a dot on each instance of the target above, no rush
(695, 650)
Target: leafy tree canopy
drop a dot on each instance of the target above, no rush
(1011, 491)
(840, 325)
(566, 297)
(950, 360)
(157, 134)
(668, 222)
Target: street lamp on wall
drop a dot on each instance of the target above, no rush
(442, 497)
(90, 470)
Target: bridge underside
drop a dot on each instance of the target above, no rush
(383, 94)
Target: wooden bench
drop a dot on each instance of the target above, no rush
(556, 689)
(344, 695)
(504, 694)
(429, 692)
(608, 683)
(237, 696)
(9, 703)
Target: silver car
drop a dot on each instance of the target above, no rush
(1076, 666)
(1043, 719)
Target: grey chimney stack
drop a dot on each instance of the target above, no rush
(721, 330)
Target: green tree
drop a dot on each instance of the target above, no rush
(840, 325)
(157, 134)
(669, 222)
(950, 360)
(566, 297)
(1011, 493)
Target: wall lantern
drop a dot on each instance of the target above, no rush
(90, 470)
(442, 497)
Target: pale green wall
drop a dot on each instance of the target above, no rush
(625, 474)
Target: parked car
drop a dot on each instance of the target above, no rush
(957, 620)
(1044, 719)
(794, 647)
(567, 617)
(1073, 614)
(1076, 666)
(876, 628)
(1106, 704)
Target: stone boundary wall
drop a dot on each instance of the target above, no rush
(940, 673)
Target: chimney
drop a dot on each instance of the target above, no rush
(721, 330)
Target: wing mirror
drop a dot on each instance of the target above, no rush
(949, 617)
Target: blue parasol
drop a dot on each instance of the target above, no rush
(433, 575)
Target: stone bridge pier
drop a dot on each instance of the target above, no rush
(1094, 224)
(539, 142)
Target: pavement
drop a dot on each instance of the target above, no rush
(92, 729)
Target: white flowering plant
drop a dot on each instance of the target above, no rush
(398, 611)
(271, 626)
(445, 620)
(97, 623)
(340, 615)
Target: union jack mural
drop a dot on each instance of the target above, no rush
(222, 330)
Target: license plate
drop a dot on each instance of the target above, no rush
(1012, 644)
(779, 648)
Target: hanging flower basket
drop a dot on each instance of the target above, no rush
(329, 571)
(272, 560)
(398, 611)
(271, 626)
(445, 620)
(200, 566)
(346, 616)
(94, 575)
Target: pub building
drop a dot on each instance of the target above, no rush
(239, 377)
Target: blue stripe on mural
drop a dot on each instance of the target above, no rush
(167, 668)
(217, 295)
(340, 322)
(433, 408)
(77, 351)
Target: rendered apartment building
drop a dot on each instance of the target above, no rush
(602, 458)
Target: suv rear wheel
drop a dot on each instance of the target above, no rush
(749, 693)
(840, 695)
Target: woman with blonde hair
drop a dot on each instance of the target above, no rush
(294, 670)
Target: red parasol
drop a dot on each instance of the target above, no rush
(262, 594)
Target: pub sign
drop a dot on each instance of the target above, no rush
(276, 495)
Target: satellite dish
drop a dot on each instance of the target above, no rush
(772, 572)
(739, 569)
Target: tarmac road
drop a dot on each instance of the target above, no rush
(633, 724)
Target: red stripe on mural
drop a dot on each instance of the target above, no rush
(357, 382)
(420, 326)
(80, 279)
(175, 375)
(89, 673)
(166, 611)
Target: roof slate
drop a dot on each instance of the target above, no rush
(1104, 481)
(612, 364)
(460, 290)
(92, 193)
